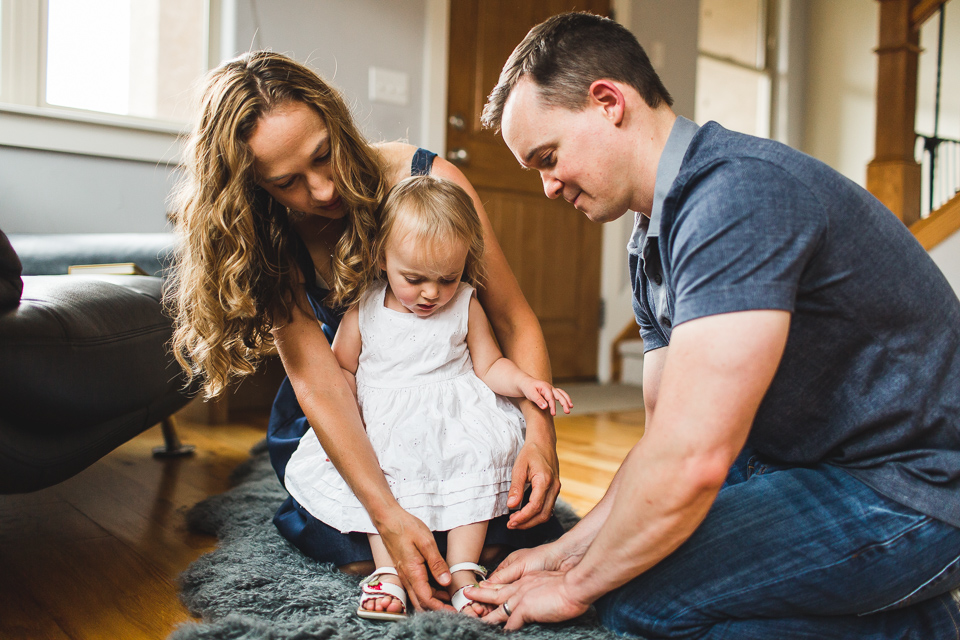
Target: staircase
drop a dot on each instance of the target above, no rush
(894, 176)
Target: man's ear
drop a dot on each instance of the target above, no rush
(607, 95)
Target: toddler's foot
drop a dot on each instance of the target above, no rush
(383, 596)
(465, 575)
(386, 603)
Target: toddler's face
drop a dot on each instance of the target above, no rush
(423, 276)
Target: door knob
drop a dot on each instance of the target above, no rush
(456, 121)
(459, 157)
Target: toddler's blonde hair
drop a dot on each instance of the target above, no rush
(433, 210)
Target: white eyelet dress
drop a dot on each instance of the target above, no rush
(445, 441)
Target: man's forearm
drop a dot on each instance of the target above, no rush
(651, 509)
(717, 372)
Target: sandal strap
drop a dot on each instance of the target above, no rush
(379, 571)
(384, 589)
(469, 566)
(458, 601)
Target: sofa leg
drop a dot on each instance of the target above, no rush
(172, 447)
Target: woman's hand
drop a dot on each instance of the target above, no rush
(539, 466)
(411, 545)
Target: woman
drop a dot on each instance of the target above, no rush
(275, 215)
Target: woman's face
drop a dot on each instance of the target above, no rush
(291, 148)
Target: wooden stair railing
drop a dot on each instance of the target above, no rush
(923, 10)
(893, 176)
(939, 225)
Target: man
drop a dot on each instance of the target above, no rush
(799, 476)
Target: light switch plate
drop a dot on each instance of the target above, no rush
(387, 86)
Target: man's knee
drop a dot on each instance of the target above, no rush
(628, 612)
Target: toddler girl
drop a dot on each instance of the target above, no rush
(423, 361)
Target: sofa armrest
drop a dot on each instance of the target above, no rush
(11, 284)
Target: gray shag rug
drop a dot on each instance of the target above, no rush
(257, 586)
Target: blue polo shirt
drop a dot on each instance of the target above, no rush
(870, 376)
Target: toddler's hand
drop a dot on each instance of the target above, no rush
(544, 395)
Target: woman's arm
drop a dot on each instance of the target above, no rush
(330, 407)
(519, 334)
(501, 374)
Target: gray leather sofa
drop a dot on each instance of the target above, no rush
(84, 360)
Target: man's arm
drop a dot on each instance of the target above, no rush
(567, 551)
(714, 378)
(714, 375)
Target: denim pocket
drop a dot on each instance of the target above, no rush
(945, 580)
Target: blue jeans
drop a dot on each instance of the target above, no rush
(798, 553)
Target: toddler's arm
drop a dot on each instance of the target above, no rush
(346, 346)
(501, 374)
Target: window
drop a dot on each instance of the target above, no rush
(105, 77)
(733, 82)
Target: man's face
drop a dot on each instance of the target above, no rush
(574, 151)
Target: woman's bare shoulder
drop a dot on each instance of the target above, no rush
(396, 158)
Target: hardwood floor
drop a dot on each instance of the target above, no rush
(98, 556)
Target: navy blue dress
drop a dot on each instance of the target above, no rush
(288, 424)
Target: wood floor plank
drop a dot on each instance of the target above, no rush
(97, 589)
(590, 449)
(45, 520)
(21, 616)
(146, 523)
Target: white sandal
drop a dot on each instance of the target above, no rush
(459, 600)
(373, 587)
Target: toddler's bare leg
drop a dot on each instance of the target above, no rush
(382, 559)
(464, 544)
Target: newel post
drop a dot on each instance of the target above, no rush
(893, 176)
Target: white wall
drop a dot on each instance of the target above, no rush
(342, 39)
(841, 84)
(840, 117)
(50, 192)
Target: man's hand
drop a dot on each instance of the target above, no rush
(555, 557)
(538, 466)
(541, 596)
(411, 545)
(545, 395)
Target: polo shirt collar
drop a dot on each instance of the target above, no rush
(670, 160)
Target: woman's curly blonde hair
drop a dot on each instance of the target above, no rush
(236, 274)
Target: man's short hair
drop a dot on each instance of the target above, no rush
(565, 54)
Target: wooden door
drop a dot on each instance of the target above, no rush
(552, 248)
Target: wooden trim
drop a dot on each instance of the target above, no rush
(893, 175)
(939, 225)
(923, 11)
(630, 332)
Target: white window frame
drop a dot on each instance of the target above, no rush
(27, 122)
